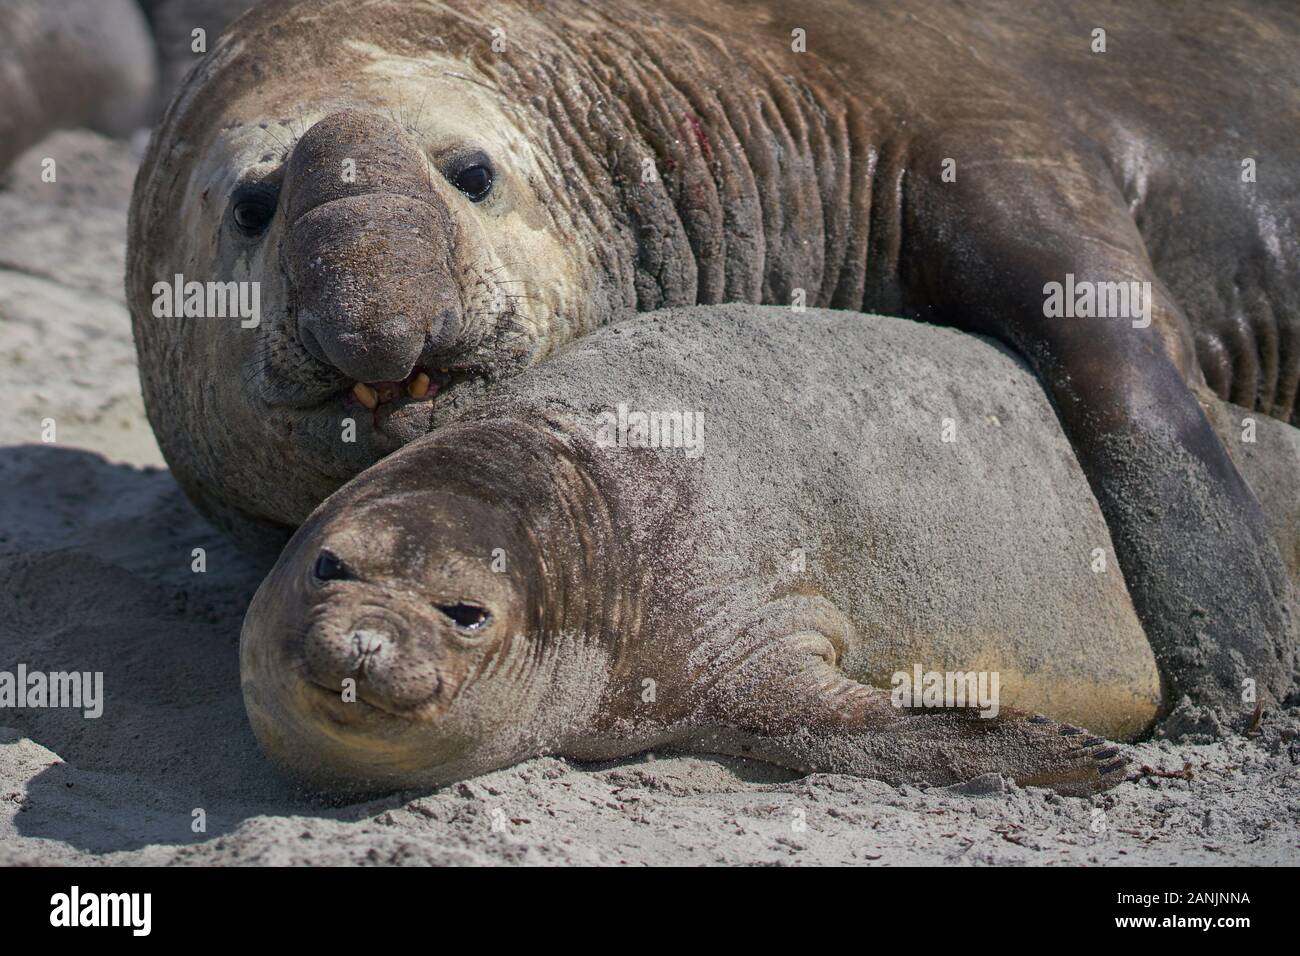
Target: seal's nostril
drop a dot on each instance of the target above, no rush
(363, 341)
(307, 335)
(367, 642)
(366, 646)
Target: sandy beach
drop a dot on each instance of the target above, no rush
(96, 555)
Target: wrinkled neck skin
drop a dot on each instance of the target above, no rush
(711, 175)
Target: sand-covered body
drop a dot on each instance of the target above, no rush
(905, 521)
(934, 502)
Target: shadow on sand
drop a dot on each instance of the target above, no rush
(97, 575)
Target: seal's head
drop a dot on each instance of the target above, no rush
(347, 218)
(418, 631)
(361, 651)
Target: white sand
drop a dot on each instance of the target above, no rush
(95, 575)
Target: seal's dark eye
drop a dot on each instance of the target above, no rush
(328, 567)
(467, 616)
(474, 181)
(252, 209)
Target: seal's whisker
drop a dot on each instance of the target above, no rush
(420, 115)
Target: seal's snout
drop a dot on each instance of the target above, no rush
(367, 249)
(383, 661)
(375, 650)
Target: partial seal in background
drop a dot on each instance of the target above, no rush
(180, 47)
(73, 63)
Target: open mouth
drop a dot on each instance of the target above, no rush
(410, 400)
(421, 385)
(394, 413)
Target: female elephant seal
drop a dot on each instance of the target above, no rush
(434, 194)
(528, 579)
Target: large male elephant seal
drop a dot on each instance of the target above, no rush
(532, 578)
(72, 63)
(431, 195)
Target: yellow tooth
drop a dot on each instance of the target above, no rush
(366, 395)
(443, 371)
(419, 386)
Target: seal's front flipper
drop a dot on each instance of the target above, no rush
(790, 706)
(849, 728)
